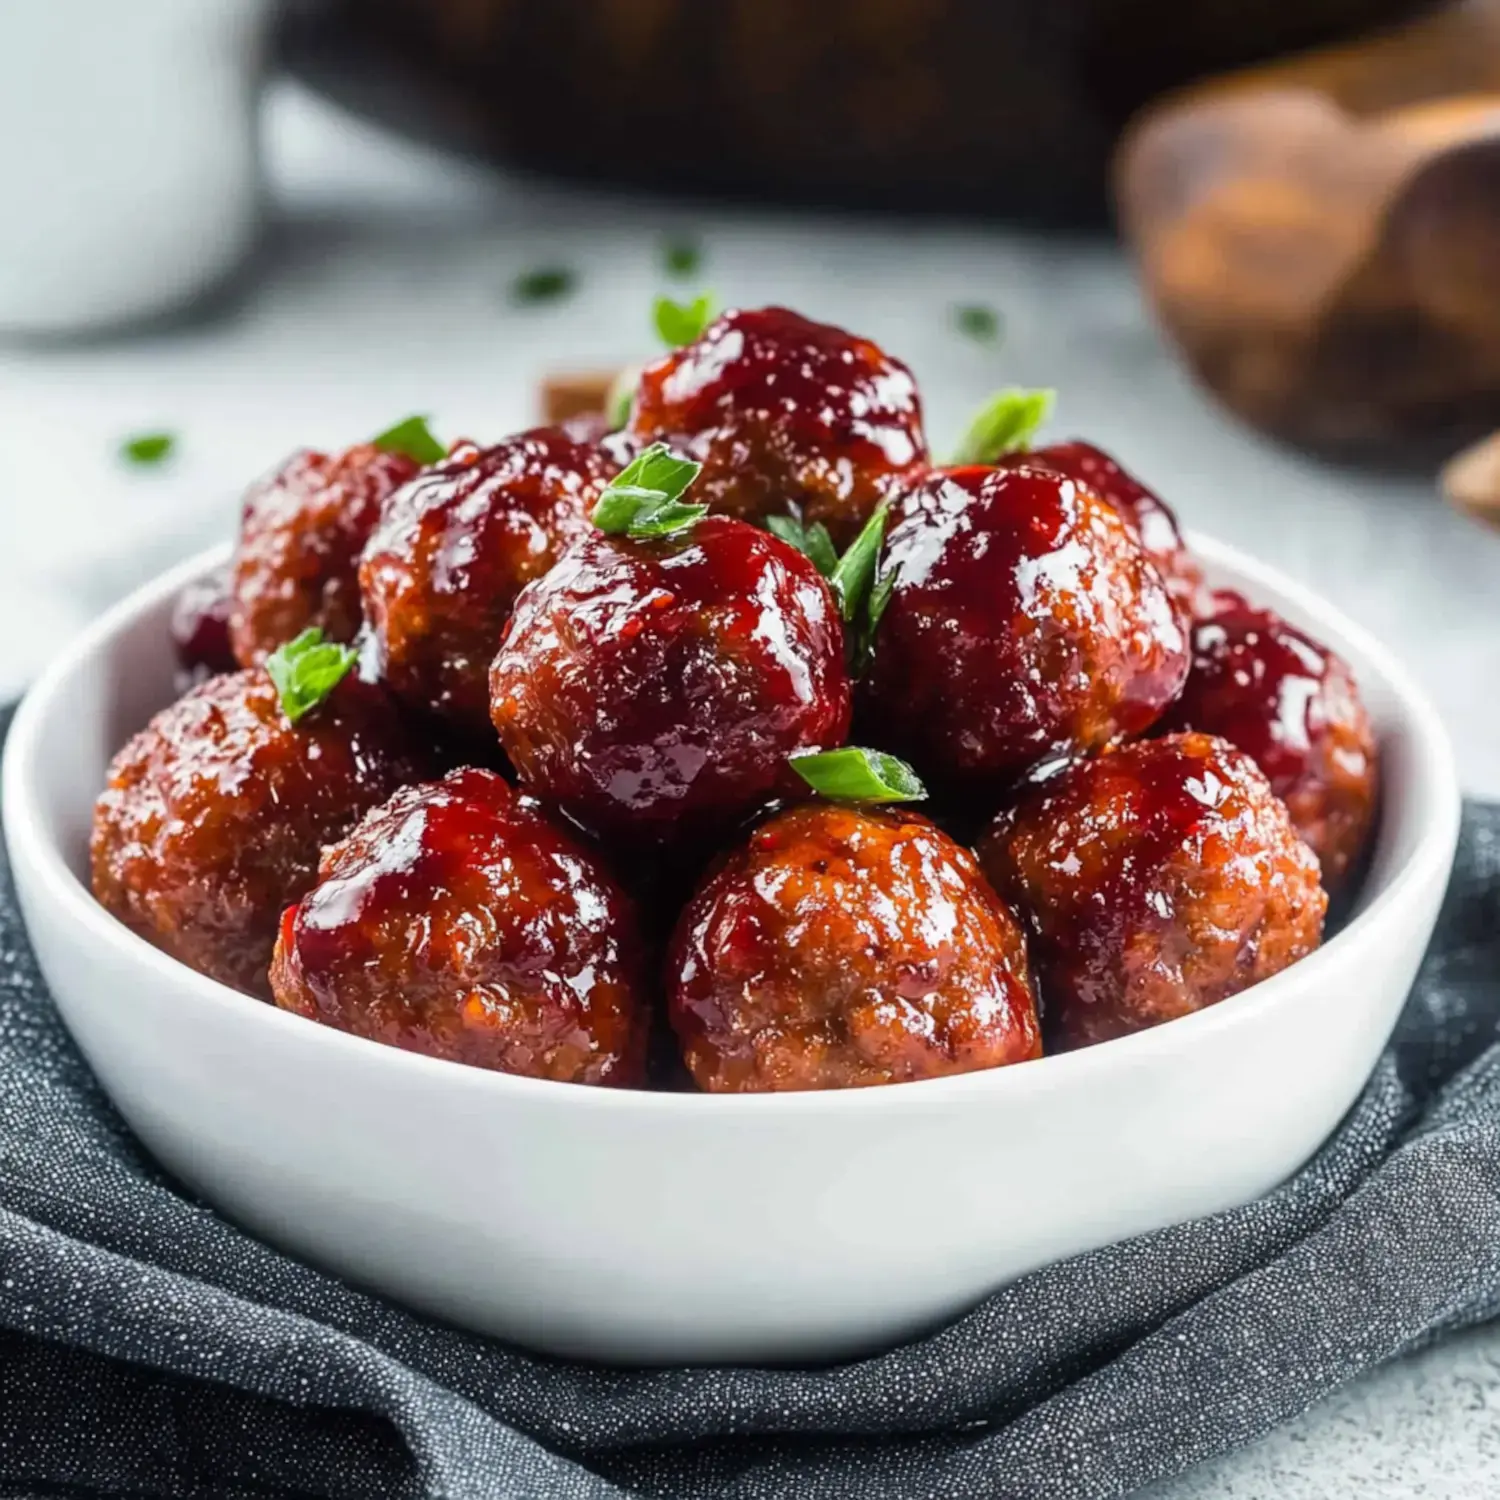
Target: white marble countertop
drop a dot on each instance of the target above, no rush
(382, 291)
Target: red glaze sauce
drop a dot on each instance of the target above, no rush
(785, 413)
(452, 551)
(1026, 624)
(840, 947)
(200, 629)
(301, 531)
(458, 921)
(654, 689)
(1147, 512)
(1293, 707)
(1156, 880)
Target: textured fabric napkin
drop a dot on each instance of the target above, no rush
(147, 1347)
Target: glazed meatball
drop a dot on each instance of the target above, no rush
(214, 814)
(842, 947)
(1156, 880)
(200, 629)
(301, 532)
(1292, 706)
(784, 414)
(1025, 624)
(458, 921)
(654, 689)
(452, 551)
(1150, 515)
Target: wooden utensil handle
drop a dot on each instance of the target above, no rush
(1321, 236)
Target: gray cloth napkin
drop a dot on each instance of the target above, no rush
(147, 1347)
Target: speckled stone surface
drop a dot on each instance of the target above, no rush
(382, 290)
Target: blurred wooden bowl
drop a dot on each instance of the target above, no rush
(994, 107)
(1321, 237)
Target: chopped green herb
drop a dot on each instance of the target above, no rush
(855, 573)
(620, 399)
(681, 323)
(854, 774)
(414, 438)
(1005, 424)
(880, 597)
(977, 321)
(148, 448)
(306, 670)
(544, 284)
(645, 498)
(812, 541)
(681, 257)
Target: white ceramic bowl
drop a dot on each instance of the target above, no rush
(673, 1227)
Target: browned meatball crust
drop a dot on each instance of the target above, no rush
(452, 551)
(1157, 880)
(214, 814)
(841, 947)
(301, 532)
(459, 921)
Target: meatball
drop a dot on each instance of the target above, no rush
(1150, 515)
(1025, 624)
(200, 629)
(458, 921)
(452, 551)
(213, 815)
(785, 413)
(654, 689)
(301, 533)
(1292, 706)
(841, 947)
(1156, 880)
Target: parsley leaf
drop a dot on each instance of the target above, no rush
(645, 499)
(306, 670)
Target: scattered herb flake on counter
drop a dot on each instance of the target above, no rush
(977, 321)
(148, 448)
(1006, 423)
(306, 670)
(413, 438)
(854, 774)
(681, 257)
(543, 284)
(679, 323)
(645, 499)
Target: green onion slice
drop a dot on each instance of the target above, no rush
(412, 437)
(680, 323)
(1006, 423)
(854, 774)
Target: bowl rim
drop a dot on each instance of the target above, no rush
(1432, 796)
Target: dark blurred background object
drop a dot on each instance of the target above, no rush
(1321, 237)
(990, 107)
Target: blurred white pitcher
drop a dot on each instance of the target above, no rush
(129, 155)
